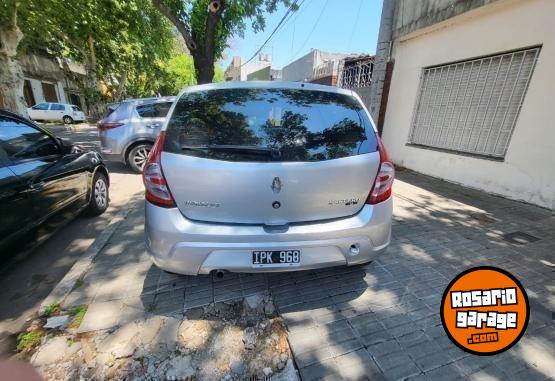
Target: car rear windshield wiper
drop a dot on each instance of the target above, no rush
(262, 151)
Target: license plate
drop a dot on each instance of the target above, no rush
(276, 257)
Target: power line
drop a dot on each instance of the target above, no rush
(354, 25)
(281, 22)
(313, 28)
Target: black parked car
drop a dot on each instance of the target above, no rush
(41, 175)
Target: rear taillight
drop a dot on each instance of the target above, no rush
(157, 191)
(381, 190)
(109, 125)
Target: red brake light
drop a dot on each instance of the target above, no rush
(381, 190)
(109, 125)
(157, 191)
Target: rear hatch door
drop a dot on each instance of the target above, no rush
(269, 155)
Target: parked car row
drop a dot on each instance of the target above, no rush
(128, 129)
(42, 175)
(239, 176)
(47, 111)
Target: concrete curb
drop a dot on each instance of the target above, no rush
(83, 264)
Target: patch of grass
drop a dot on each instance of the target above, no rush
(52, 309)
(78, 314)
(27, 341)
(151, 307)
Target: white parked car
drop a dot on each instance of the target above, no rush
(56, 111)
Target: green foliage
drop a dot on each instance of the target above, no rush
(218, 74)
(27, 341)
(179, 73)
(180, 70)
(208, 47)
(233, 21)
(78, 314)
(119, 41)
(52, 309)
(6, 12)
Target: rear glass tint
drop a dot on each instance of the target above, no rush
(154, 110)
(110, 109)
(269, 125)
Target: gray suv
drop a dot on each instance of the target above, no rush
(266, 176)
(128, 129)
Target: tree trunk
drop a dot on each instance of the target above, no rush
(204, 69)
(203, 51)
(122, 82)
(11, 75)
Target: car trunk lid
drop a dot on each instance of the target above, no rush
(269, 156)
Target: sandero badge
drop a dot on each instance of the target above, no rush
(485, 310)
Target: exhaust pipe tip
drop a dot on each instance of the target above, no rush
(219, 273)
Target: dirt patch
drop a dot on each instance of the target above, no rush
(223, 341)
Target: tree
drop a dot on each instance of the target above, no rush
(120, 42)
(180, 71)
(206, 25)
(11, 76)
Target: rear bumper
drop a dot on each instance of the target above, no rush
(111, 146)
(183, 246)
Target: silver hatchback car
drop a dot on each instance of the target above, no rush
(128, 129)
(266, 176)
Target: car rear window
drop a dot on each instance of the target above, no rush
(153, 110)
(110, 109)
(269, 125)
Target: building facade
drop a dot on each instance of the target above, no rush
(265, 74)
(355, 73)
(46, 81)
(465, 90)
(238, 70)
(316, 66)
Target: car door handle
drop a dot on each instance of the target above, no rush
(153, 125)
(37, 187)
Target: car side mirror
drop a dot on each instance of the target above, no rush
(68, 147)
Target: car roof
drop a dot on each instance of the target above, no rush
(11, 114)
(151, 99)
(266, 85)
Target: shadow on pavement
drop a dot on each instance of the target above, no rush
(375, 321)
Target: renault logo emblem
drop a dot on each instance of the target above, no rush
(276, 185)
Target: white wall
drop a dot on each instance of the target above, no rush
(251, 67)
(528, 171)
(61, 93)
(300, 69)
(36, 87)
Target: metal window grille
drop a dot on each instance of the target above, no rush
(358, 75)
(472, 106)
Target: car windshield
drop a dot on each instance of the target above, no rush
(257, 124)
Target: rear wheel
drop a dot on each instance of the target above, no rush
(137, 156)
(99, 198)
(67, 119)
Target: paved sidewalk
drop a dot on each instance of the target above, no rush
(379, 321)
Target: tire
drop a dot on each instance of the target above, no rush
(100, 197)
(136, 158)
(67, 119)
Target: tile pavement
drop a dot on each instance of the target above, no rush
(378, 321)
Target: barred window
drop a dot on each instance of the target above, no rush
(472, 106)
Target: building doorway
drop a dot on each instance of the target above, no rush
(28, 93)
(49, 92)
